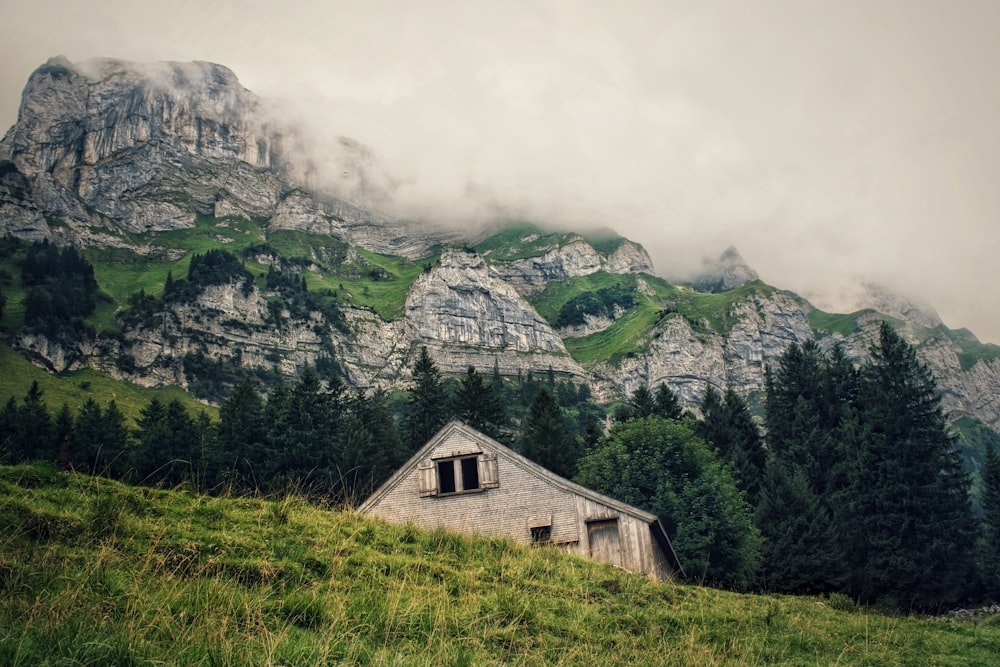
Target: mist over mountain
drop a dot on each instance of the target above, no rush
(144, 166)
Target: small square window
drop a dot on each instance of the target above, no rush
(458, 474)
(541, 535)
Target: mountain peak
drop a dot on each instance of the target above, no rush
(727, 271)
(887, 301)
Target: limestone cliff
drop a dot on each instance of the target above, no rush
(106, 146)
(110, 154)
(467, 314)
(688, 357)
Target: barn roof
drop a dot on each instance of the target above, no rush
(529, 466)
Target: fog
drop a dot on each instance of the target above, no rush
(828, 141)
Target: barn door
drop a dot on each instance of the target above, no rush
(605, 544)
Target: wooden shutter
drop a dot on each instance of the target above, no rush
(427, 479)
(488, 478)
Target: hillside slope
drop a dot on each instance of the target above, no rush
(95, 572)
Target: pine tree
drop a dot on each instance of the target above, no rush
(909, 493)
(545, 441)
(303, 434)
(643, 402)
(477, 404)
(8, 430)
(728, 427)
(62, 436)
(990, 545)
(428, 402)
(146, 457)
(34, 433)
(668, 405)
(242, 437)
(115, 439)
(800, 552)
(804, 484)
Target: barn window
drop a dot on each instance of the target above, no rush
(541, 535)
(459, 474)
(446, 477)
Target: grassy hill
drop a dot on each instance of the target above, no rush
(74, 388)
(95, 572)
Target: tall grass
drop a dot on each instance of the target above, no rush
(95, 572)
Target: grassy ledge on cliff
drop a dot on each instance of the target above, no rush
(96, 572)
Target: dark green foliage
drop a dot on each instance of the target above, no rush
(729, 428)
(864, 490)
(216, 267)
(909, 493)
(8, 430)
(214, 379)
(478, 405)
(62, 436)
(242, 437)
(989, 553)
(644, 403)
(667, 404)
(163, 452)
(545, 440)
(32, 436)
(61, 290)
(800, 552)
(428, 402)
(302, 425)
(100, 440)
(605, 302)
(371, 449)
(300, 302)
(809, 410)
(660, 465)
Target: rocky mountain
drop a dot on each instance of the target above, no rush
(104, 148)
(145, 166)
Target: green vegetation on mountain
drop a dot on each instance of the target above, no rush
(521, 240)
(74, 388)
(604, 241)
(95, 572)
(971, 351)
(824, 323)
(565, 302)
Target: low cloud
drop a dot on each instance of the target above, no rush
(826, 141)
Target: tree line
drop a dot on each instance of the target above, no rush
(853, 486)
(314, 436)
(850, 485)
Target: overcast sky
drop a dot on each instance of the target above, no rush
(828, 141)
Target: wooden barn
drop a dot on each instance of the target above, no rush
(465, 481)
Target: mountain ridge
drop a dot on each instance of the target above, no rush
(142, 170)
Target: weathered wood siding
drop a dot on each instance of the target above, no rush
(521, 500)
(638, 548)
(522, 496)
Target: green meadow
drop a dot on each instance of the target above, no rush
(93, 572)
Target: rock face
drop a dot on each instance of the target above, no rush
(467, 314)
(689, 360)
(106, 152)
(884, 300)
(105, 145)
(574, 258)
